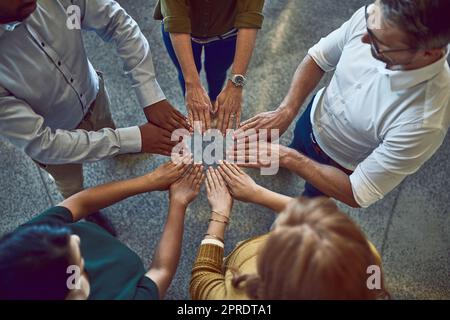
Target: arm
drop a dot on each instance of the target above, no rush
(26, 130)
(198, 103)
(321, 58)
(91, 200)
(306, 78)
(167, 254)
(229, 101)
(113, 24)
(208, 280)
(244, 188)
(328, 179)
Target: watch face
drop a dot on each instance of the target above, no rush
(239, 80)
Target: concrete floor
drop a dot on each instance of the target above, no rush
(411, 226)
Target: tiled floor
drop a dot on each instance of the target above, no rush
(411, 226)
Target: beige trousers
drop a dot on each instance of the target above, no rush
(69, 177)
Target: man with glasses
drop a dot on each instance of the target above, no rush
(386, 110)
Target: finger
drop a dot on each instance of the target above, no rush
(208, 185)
(162, 152)
(238, 119)
(196, 118)
(236, 168)
(209, 176)
(231, 168)
(200, 182)
(220, 118)
(218, 178)
(224, 175)
(226, 170)
(214, 175)
(207, 115)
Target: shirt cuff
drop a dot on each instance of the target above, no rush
(316, 54)
(149, 93)
(177, 25)
(130, 140)
(213, 242)
(364, 192)
(249, 20)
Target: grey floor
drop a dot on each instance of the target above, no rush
(411, 226)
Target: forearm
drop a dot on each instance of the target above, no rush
(306, 78)
(92, 200)
(330, 180)
(245, 44)
(167, 254)
(272, 200)
(182, 45)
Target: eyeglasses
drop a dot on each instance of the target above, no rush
(374, 41)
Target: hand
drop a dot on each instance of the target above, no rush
(166, 174)
(198, 106)
(279, 119)
(165, 116)
(228, 105)
(156, 140)
(184, 190)
(241, 186)
(257, 154)
(218, 196)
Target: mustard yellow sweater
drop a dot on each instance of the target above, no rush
(212, 277)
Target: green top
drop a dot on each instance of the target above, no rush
(114, 270)
(209, 18)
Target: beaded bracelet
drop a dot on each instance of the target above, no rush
(213, 236)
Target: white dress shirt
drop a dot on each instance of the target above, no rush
(47, 83)
(381, 124)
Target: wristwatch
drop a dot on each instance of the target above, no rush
(238, 80)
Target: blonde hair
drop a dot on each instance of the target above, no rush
(315, 252)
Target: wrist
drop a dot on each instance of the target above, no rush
(192, 82)
(178, 205)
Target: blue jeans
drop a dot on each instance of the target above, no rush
(304, 142)
(219, 56)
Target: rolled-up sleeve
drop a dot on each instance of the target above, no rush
(176, 16)
(401, 154)
(207, 278)
(249, 14)
(113, 24)
(26, 130)
(327, 52)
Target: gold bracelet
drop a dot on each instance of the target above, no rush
(216, 220)
(213, 236)
(221, 214)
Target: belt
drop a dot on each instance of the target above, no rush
(233, 32)
(319, 150)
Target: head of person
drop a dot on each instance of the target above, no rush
(408, 34)
(36, 263)
(314, 252)
(16, 10)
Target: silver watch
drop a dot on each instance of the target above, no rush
(238, 80)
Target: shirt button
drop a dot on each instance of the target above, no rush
(81, 95)
(71, 80)
(59, 63)
(359, 86)
(42, 44)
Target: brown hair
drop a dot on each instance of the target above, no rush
(426, 21)
(315, 252)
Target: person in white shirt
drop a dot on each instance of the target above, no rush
(53, 104)
(386, 110)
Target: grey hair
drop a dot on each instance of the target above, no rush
(427, 22)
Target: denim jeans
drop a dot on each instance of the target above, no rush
(219, 56)
(304, 143)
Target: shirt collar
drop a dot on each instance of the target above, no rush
(402, 80)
